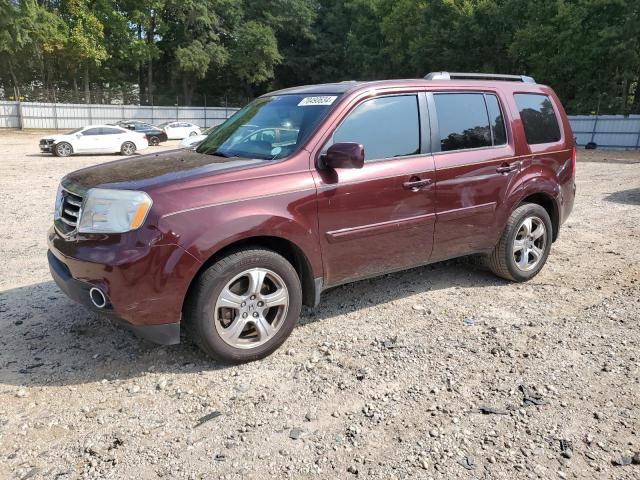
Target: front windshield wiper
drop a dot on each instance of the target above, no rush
(219, 153)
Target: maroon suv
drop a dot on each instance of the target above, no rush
(312, 187)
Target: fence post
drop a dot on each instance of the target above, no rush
(595, 126)
(153, 122)
(638, 139)
(205, 112)
(20, 124)
(177, 109)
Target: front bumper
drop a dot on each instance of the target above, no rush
(164, 334)
(46, 147)
(144, 287)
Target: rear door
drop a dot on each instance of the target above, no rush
(379, 218)
(112, 139)
(475, 165)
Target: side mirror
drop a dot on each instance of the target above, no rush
(344, 155)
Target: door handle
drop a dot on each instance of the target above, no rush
(506, 168)
(416, 185)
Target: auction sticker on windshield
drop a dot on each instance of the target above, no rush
(322, 100)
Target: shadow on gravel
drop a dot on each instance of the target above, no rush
(46, 339)
(628, 197)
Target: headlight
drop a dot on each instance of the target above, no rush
(113, 211)
(57, 211)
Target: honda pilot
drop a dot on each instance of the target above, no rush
(312, 187)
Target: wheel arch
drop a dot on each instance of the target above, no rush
(546, 201)
(289, 250)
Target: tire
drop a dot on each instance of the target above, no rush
(154, 141)
(508, 259)
(128, 148)
(209, 322)
(193, 134)
(63, 149)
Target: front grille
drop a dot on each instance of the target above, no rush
(70, 211)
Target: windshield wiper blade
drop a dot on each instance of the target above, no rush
(218, 153)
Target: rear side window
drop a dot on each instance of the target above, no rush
(387, 127)
(538, 117)
(110, 131)
(92, 131)
(496, 120)
(462, 121)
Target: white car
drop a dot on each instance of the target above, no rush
(195, 140)
(179, 130)
(95, 139)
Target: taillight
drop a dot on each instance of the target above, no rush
(574, 155)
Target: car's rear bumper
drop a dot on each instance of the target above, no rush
(144, 288)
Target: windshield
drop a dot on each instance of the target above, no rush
(162, 125)
(74, 131)
(269, 128)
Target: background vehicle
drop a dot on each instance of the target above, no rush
(195, 140)
(312, 187)
(94, 139)
(179, 130)
(155, 135)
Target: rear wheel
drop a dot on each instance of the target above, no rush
(524, 246)
(128, 148)
(154, 141)
(243, 307)
(63, 149)
(193, 134)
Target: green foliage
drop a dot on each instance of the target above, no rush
(588, 50)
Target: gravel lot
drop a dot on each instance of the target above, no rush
(412, 375)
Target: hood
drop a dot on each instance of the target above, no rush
(59, 136)
(150, 171)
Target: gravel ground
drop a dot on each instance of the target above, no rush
(439, 372)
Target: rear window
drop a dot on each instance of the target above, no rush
(538, 117)
(462, 120)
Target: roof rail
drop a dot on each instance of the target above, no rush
(478, 76)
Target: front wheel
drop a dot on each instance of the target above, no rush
(128, 148)
(524, 246)
(63, 149)
(193, 134)
(243, 307)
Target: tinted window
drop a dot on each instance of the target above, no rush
(92, 131)
(538, 118)
(111, 131)
(386, 127)
(496, 120)
(462, 120)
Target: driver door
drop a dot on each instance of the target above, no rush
(89, 141)
(379, 218)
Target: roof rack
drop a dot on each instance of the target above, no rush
(478, 76)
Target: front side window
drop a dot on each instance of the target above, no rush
(91, 131)
(462, 121)
(256, 131)
(387, 127)
(538, 118)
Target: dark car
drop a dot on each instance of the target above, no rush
(154, 134)
(230, 240)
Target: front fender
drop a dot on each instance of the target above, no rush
(205, 231)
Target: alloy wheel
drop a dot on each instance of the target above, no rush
(529, 243)
(251, 308)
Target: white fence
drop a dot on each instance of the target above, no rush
(66, 115)
(608, 131)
